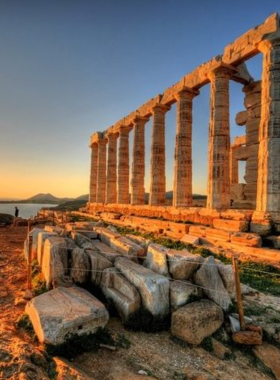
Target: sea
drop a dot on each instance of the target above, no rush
(26, 210)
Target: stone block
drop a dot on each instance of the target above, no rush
(120, 292)
(106, 235)
(106, 251)
(127, 248)
(189, 239)
(182, 293)
(248, 239)
(80, 266)
(209, 279)
(230, 225)
(34, 233)
(270, 356)
(63, 312)
(213, 233)
(241, 118)
(183, 264)
(153, 288)
(196, 321)
(98, 264)
(89, 234)
(199, 231)
(56, 229)
(55, 260)
(144, 243)
(227, 275)
(81, 240)
(156, 259)
(42, 236)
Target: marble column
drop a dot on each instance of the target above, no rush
(268, 186)
(182, 190)
(233, 164)
(101, 172)
(123, 166)
(138, 162)
(157, 183)
(218, 186)
(93, 173)
(111, 184)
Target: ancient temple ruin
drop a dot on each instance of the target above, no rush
(120, 187)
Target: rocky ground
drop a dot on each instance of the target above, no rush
(154, 355)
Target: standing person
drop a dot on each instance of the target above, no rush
(16, 212)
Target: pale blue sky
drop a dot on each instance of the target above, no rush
(69, 68)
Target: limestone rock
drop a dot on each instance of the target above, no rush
(215, 234)
(55, 260)
(182, 293)
(247, 239)
(220, 350)
(209, 278)
(189, 239)
(154, 288)
(34, 233)
(197, 320)
(270, 356)
(156, 259)
(127, 248)
(98, 264)
(42, 236)
(121, 292)
(227, 276)
(80, 266)
(106, 251)
(230, 225)
(199, 231)
(241, 118)
(64, 312)
(183, 264)
(106, 235)
(86, 233)
(81, 240)
(144, 243)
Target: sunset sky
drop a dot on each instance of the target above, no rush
(70, 68)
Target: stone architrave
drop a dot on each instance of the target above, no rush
(93, 173)
(182, 191)
(111, 184)
(138, 162)
(157, 184)
(101, 172)
(123, 166)
(268, 187)
(218, 186)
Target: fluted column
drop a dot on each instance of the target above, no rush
(218, 187)
(182, 191)
(101, 172)
(111, 184)
(268, 188)
(93, 173)
(138, 162)
(123, 166)
(157, 183)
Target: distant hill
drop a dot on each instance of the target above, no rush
(46, 198)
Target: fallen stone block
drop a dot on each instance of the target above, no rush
(247, 239)
(156, 259)
(80, 266)
(199, 231)
(154, 288)
(88, 234)
(34, 233)
(42, 236)
(120, 292)
(64, 312)
(56, 229)
(227, 275)
(189, 239)
(106, 235)
(231, 225)
(55, 260)
(81, 240)
(182, 293)
(183, 264)
(144, 243)
(197, 320)
(106, 251)
(127, 248)
(98, 264)
(213, 233)
(209, 279)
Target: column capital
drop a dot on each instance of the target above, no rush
(222, 71)
(268, 43)
(124, 129)
(111, 135)
(186, 93)
(159, 108)
(139, 120)
(102, 141)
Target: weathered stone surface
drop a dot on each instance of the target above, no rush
(34, 233)
(156, 259)
(55, 260)
(199, 231)
(88, 234)
(80, 266)
(63, 312)
(111, 185)
(144, 243)
(227, 276)
(215, 234)
(182, 293)
(209, 278)
(230, 225)
(101, 171)
(123, 166)
(197, 320)
(270, 356)
(241, 118)
(121, 292)
(98, 264)
(106, 235)
(154, 288)
(250, 240)
(127, 247)
(106, 251)
(189, 239)
(93, 173)
(220, 350)
(42, 236)
(56, 229)
(183, 264)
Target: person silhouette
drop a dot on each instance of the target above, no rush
(16, 212)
